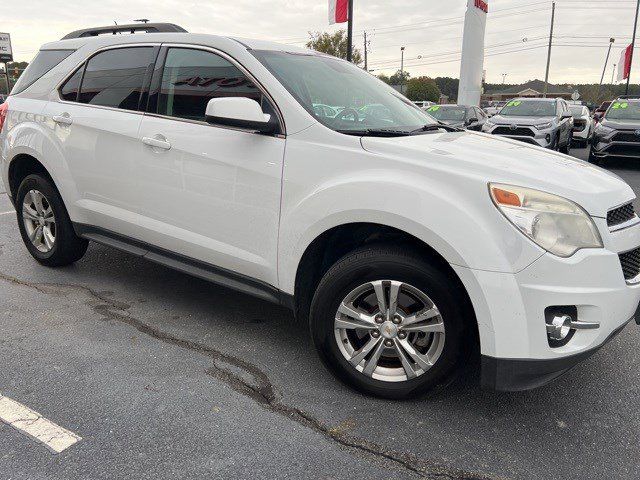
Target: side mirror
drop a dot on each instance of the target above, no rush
(565, 116)
(471, 121)
(240, 112)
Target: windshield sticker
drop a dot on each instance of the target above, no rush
(434, 108)
(620, 105)
(514, 103)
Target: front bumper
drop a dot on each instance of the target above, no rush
(527, 134)
(617, 146)
(510, 310)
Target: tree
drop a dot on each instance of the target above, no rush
(423, 88)
(399, 78)
(448, 86)
(333, 44)
(385, 78)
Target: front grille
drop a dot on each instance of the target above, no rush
(620, 215)
(626, 137)
(630, 262)
(623, 150)
(518, 132)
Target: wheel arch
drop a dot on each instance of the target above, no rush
(335, 242)
(22, 165)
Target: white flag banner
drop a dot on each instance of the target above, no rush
(338, 11)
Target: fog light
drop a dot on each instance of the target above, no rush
(559, 328)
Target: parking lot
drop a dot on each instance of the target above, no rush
(163, 375)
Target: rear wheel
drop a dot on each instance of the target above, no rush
(566, 149)
(388, 323)
(44, 223)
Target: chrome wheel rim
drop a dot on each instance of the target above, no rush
(39, 221)
(389, 331)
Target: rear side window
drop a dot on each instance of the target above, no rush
(193, 77)
(115, 78)
(44, 61)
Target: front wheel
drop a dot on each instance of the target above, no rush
(389, 323)
(566, 149)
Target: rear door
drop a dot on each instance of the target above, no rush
(97, 120)
(208, 192)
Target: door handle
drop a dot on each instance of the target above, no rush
(63, 119)
(156, 143)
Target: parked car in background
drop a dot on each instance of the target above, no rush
(424, 104)
(2, 98)
(404, 244)
(583, 125)
(600, 111)
(461, 116)
(494, 108)
(618, 133)
(545, 122)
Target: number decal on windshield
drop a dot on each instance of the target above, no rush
(514, 103)
(620, 105)
(434, 108)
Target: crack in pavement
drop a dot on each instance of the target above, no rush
(260, 390)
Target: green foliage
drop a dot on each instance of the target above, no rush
(385, 78)
(399, 78)
(333, 44)
(422, 88)
(448, 86)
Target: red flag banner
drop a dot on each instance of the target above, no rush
(624, 65)
(338, 11)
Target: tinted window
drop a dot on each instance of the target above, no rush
(69, 91)
(192, 77)
(115, 78)
(44, 61)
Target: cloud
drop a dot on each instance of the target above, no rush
(428, 29)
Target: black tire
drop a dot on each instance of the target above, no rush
(566, 149)
(392, 263)
(68, 247)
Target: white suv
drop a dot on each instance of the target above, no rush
(406, 244)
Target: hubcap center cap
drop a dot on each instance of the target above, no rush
(389, 330)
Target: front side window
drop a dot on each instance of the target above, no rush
(43, 62)
(361, 102)
(115, 78)
(193, 77)
(529, 108)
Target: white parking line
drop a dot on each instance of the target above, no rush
(6, 213)
(36, 426)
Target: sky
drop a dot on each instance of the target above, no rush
(431, 30)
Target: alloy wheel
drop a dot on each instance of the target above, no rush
(39, 221)
(389, 330)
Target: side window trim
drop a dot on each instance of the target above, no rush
(83, 65)
(160, 62)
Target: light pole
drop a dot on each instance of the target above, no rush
(606, 61)
(633, 45)
(613, 74)
(546, 77)
(402, 69)
(504, 76)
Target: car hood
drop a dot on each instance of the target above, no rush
(490, 159)
(502, 120)
(621, 124)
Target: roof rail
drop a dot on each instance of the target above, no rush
(629, 97)
(131, 28)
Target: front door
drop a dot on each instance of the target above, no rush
(208, 192)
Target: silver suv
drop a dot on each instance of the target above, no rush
(544, 122)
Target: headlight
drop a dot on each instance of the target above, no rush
(556, 224)
(488, 124)
(544, 126)
(604, 131)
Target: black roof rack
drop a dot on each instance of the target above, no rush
(131, 28)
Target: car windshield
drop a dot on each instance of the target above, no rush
(577, 111)
(624, 110)
(447, 113)
(529, 108)
(360, 102)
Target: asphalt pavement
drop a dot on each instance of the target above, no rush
(162, 375)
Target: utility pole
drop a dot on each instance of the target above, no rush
(350, 32)
(504, 77)
(546, 77)
(402, 70)
(611, 41)
(366, 64)
(633, 45)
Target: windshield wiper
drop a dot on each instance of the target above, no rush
(436, 126)
(376, 132)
